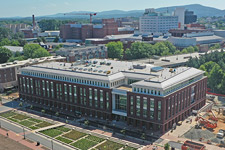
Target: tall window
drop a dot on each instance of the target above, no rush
(75, 94)
(70, 94)
(131, 105)
(85, 99)
(107, 99)
(65, 92)
(90, 97)
(145, 107)
(101, 98)
(152, 108)
(121, 103)
(48, 92)
(159, 110)
(43, 88)
(52, 89)
(96, 97)
(81, 96)
(138, 106)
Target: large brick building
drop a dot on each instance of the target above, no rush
(84, 31)
(9, 71)
(141, 95)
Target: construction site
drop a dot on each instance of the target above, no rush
(208, 126)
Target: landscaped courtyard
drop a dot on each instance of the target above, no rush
(81, 140)
(74, 138)
(24, 120)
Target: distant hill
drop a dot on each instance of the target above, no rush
(198, 9)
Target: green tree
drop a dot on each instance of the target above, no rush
(15, 43)
(190, 49)
(30, 49)
(41, 52)
(196, 48)
(43, 39)
(166, 146)
(184, 51)
(4, 33)
(5, 54)
(5, 42)
(215, 77)
(115, 50)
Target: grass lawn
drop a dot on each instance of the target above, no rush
(51, 132)
(14, 120)
(64, 140)
(74, 135)
(20, 117)
(84, 144)
(63, 129)
(43, 124)
(129, 148)
(94, 139)
(26, 123)
(7, 114)
(109, 145)
(34, 120)
(33, 127)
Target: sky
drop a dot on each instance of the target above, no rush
(24, 8)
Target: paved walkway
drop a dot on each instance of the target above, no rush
(18, 138)
(49, 127)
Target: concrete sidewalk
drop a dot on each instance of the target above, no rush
(50, 127)
(18, 138)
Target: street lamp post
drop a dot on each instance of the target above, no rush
(52, 144)
(24, 134)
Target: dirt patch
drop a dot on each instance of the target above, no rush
(7, 143)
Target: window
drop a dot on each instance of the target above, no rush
(101, 98)
(152, 108)
(107, 99)
(131, 105)
(121, 103)
(145, 107)
(96, 97)
(75, 94)
(159, 110)
(138, 105)
(90, 96)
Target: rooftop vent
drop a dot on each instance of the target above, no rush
(156, 69)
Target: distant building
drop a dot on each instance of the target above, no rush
(189, 17)
(154, 22)
(16, 27)
(49, 34)
(14, 49)
(180, 12)
(83, 53)
(80, 32)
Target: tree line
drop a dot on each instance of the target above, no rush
(214, 66)
(140, 50)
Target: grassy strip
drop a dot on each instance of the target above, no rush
(33, 127)
(84, 144)
(20, 117)
(34, 120)
(7, 114)
(94, 138)
(74, 135)
(63, 129)
(64, 140)
(51, 132)
(109, 145)
(14, 120)
(26, 123)
(43, 124)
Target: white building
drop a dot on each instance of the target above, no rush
(154, 23)
(180, 12)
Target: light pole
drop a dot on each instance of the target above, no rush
(52, 144)
(24, 134)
